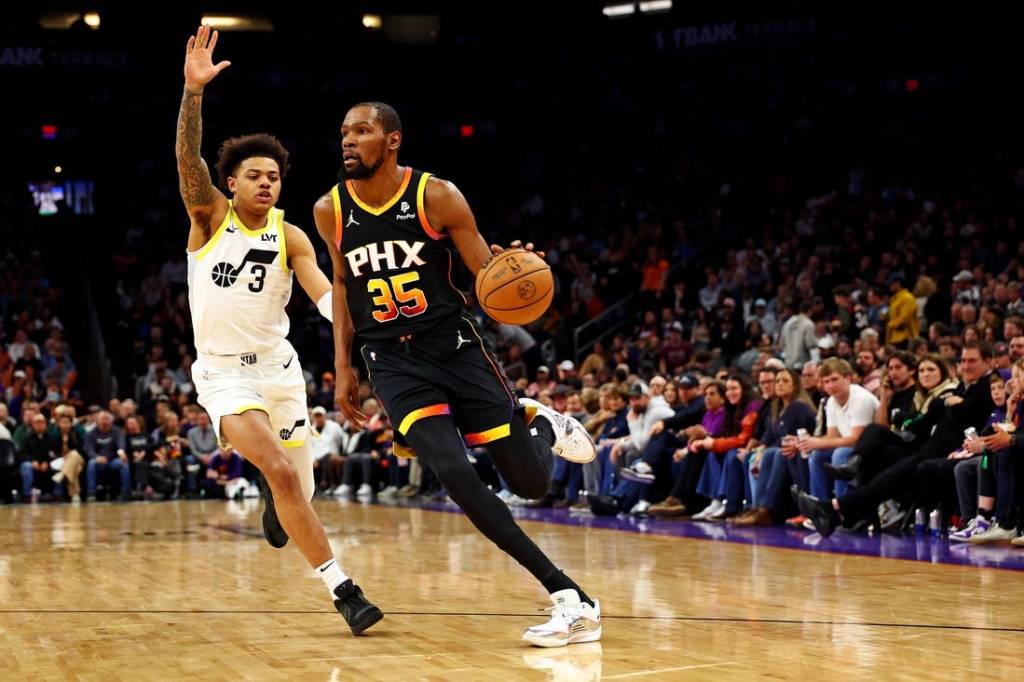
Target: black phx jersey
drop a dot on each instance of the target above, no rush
(397, 267)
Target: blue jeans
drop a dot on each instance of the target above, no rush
(711, 476)
(734, 486)
(821, 483)
(28, 477)
(777, 474)
(92, 468)
(607, 470)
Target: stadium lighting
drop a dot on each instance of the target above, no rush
(92, 20)
(58, 20)
(653, 6)
(372, 21)
(225, 22)
(619, 10)
(58, 170)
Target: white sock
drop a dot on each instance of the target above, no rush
(330, 572)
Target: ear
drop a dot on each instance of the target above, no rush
(232, 185)
(394, 140)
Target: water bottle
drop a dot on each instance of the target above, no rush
(919, 521)
(935, 523)
(801, 438)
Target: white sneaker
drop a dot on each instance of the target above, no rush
(343, 490)
(571, 621)
(572, 442)
(640, 507)
(976, 526)
(364, 490)
(716, 507)
(57, 477)
(390, 491)
(995, 533)
(639, 472)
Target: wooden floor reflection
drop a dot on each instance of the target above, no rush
(189, 590)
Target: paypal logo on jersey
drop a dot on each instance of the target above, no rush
(384, 256)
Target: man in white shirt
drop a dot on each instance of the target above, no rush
(329, 442)
(849, 409)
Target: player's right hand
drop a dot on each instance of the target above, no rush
(346, 397)
(199, 66)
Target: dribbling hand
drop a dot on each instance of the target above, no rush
(517, 244)
(199, 66)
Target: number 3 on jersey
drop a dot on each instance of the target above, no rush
(386, 299)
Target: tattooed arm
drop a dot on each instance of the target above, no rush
(206, 205)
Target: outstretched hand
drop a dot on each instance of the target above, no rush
(199, 66)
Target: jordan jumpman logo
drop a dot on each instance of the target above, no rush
(461, 340)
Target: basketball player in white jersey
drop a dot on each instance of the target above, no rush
(241, 256)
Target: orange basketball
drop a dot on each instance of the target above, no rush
(515, 287)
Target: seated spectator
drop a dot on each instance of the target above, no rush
(104, 450)
(38, 452)
(978, 509)
(725, 491)
(777, 463)
(329, 441)
(850, 408)
(224, 474)
(71, 447)
(180, 462)
(202, 439)
(969, 406)
(688, 464)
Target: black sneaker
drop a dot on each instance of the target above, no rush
(821, 514)
(353, 606)
(604, 505)
(272, 529)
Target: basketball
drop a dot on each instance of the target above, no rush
(515, 286)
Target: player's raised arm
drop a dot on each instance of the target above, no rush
(206, 205)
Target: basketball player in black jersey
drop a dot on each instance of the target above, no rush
(392, 232)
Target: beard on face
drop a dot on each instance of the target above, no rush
(361, 171)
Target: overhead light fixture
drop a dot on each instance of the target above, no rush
(58, 20)
(240, 22)
(619, 10)
(92, 20)
(372, 21)
(655, 6)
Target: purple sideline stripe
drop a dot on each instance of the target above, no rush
(884, 545)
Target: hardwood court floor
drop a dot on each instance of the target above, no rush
(190, 590)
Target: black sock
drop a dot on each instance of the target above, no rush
(556, 581)
(985, 514)
(544, 430)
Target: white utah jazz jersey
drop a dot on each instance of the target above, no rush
(238, 285)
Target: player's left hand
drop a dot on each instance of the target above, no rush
(517, 244)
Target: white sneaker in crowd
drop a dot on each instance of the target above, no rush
(716, 507)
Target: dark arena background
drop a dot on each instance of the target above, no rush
(789, 310)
